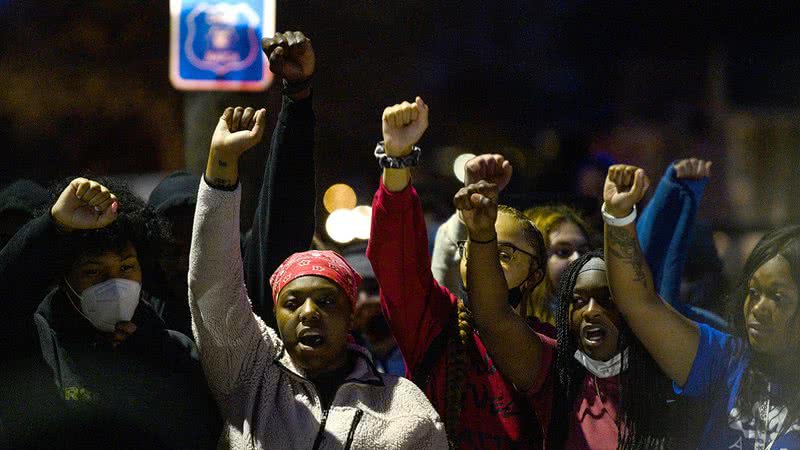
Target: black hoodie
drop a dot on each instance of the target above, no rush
(148, 392)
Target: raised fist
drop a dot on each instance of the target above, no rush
(492, 168)
(625, 186)
(84, 205)
(477, 203)
(403, 125)
(692, 169)
(290, 55)
(237, 131)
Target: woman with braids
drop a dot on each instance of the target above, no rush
(750, 380)
(433, 329)
(665, 229)
(595, 387)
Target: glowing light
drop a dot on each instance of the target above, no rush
(339, 196)
(458, 165)
(362, 221)
(339, 226)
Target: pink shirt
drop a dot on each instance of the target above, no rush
(593, 419)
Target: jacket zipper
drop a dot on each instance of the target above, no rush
(320, 433)
(352, 434)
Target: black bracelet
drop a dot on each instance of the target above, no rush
(389, 162)
(484, 242)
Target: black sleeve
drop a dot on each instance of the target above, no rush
(28, 264)
(284, 219)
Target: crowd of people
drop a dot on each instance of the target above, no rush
(158, 324)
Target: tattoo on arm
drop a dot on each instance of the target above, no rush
(222, 163)
(623, 246)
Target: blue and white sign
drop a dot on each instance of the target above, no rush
(216, 44)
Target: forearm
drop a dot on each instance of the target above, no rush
(283, 222)
(415, 307)
(222, 171)
(669, 337)
(396, 180)
(514, 347)
(226, 331)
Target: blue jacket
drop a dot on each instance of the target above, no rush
(664, 230)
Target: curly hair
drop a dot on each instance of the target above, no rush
(644, 389)
(547, 219)
(137, 223)
(783, 242)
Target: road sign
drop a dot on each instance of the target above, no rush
(215, 45)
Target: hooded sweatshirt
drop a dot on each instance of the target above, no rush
(149, 392)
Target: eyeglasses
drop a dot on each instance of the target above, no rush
(505, 252)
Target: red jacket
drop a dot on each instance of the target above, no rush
(494, 414)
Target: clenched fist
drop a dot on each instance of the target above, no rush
(491, 168)
(625, 186)
(403, 125)
(477, 203)
(692, 168)
(290, 55)
(84, 205)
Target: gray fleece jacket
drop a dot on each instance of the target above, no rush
(265, 399)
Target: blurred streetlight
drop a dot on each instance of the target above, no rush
(339, 196)
(458, 165)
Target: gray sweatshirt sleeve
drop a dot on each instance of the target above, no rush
(234, 343)
(445, 260)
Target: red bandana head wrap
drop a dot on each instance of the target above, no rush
(322, 263)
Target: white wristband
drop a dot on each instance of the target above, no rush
(617, 221)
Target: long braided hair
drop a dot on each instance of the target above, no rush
(786, 243)
(644, 389)
(459, 333)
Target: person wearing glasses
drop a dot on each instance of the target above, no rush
(444, 354)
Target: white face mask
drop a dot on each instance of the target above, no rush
(603, 369)
(104, 304)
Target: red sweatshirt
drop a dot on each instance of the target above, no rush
(494, 414)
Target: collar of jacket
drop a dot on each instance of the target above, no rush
(364, 370)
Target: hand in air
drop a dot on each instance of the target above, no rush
(477, 203)
(625, 186)
(238, 130)
(84, 205)
(692, 169)
(491, 168)
(290, 55)
(403, 126)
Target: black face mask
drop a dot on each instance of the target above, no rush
(514, 294)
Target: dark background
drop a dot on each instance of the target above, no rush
(85, 86)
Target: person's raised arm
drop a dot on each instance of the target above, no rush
(445, 262)
(514, 346)
(670, 338)
(414, 305)
(665, 225)
(283, 222)
(226, 330)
